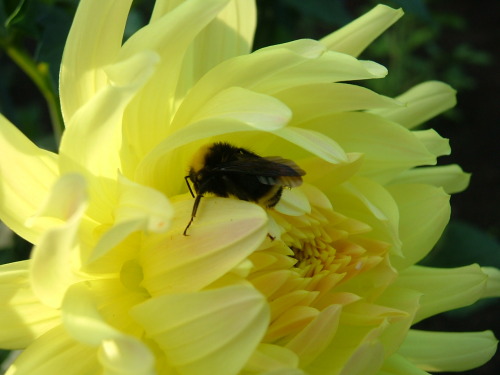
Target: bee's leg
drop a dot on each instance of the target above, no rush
(193, 213)
(189, 186)
(275, 198)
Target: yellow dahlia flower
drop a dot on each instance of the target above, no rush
(324, 283)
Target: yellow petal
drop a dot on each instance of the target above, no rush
(87, 51)
(352, 352)
(450, 177)
(208, 332)
(493, 284)
(407, 302)
(138, 208)
(224, 232)
(269, 357)
(435, 144)
(229, 34)
(449, 351)
(399, 365)
(56, 259)
(119, 353)
(56, 353)
(94, 133)
(443, 289)
(26, 175)
(424, 212)
(311, 340)
(23, 317)
(369, 202)
(293, 203)
(319, 99)
(274, 69)
(260, 111)
(357, 35)
(314, 142)
(376, 138)
(169, 37)
(423, 102)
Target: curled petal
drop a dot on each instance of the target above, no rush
(423, 102)
(357, 35)
(443, 289)
(493, 283)
(449, 177)
(435, 144)
(448, 351)
(424, 212)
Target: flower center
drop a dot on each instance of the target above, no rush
(326, 242)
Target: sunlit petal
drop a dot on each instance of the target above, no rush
(448, 351)
(26, 175)
(357, 35)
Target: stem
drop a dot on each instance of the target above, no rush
(39, 74)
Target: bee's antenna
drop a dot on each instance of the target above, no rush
(193, 213)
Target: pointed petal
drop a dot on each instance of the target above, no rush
(224, 232)
(93, 42)
(423, 102)
(424, 212)
(56, 353)
(208, 332)
(26, 175)
(23, 318)
(449, 177)
(443, 289)
(449, 351)
(94, 133)
(357, 35)
(435, 144)
(55, 258)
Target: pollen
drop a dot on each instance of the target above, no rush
(304, 270)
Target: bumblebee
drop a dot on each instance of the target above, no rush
(229, 171)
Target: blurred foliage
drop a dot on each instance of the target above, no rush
(415, 49)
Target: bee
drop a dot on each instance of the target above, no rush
(229, 171)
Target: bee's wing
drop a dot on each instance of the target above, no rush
(273, 170)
